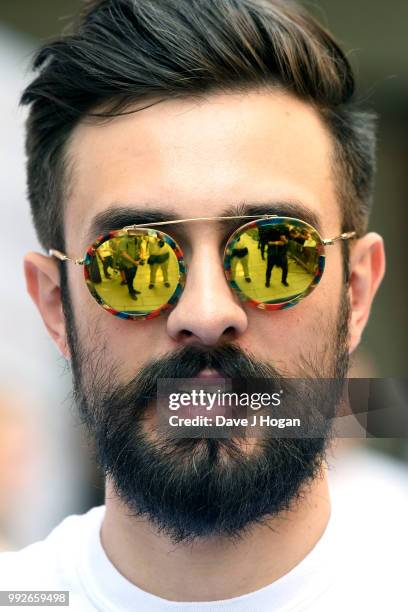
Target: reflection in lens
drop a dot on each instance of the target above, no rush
(136, 272)
(274, 262)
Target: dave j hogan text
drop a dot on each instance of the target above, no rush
(222, 421)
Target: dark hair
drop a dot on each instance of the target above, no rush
(125, 51)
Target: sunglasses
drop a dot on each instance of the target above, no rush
(138, 272)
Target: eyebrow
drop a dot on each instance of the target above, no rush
(117, 216)
(284, 208)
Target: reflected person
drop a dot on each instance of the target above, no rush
(277, 255)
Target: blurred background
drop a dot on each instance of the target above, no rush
(46, 465)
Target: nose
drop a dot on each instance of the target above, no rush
(207, 311)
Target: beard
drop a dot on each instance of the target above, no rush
(191, 488)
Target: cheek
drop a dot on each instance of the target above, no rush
(85, 308)
(284, 335)
(128, 344)
(89, 318)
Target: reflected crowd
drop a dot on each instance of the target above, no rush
(274, 262)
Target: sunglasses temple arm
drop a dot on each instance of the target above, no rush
(345, 236)
(63, 257)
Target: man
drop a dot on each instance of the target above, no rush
(277, 255)
(104, 254)
(158, 258)
(165, 110)
(130, 257)
(240, 254)
(262, 241)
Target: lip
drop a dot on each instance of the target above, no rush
(208, 374)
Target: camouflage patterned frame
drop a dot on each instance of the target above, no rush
(273, 304)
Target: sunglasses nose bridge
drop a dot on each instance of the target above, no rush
(207, 308)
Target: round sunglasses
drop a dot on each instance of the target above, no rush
(138, 272)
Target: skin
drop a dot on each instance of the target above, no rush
(195, 158)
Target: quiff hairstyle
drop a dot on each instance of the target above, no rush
(122, 52)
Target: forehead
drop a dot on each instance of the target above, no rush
(200, 157)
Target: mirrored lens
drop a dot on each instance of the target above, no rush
(135, 273)
(273, 262)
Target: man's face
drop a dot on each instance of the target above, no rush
(196, 158)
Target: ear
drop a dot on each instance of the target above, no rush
(367, 267)
(43, 285)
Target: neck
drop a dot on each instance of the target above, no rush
(213, 568)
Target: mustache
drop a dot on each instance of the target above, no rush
(229, 361)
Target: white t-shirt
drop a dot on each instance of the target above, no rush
(358, 565)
